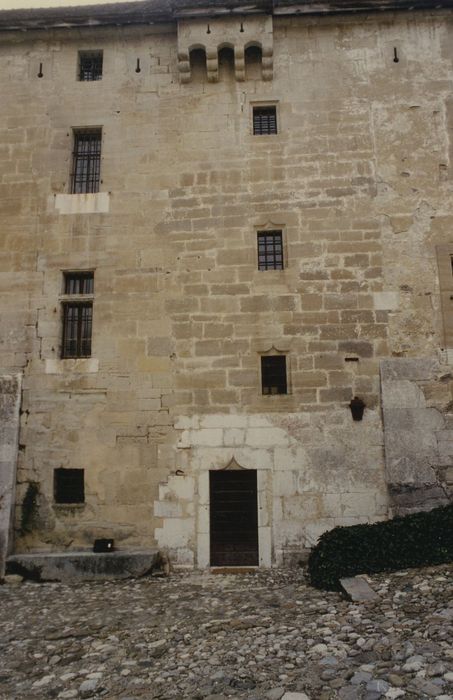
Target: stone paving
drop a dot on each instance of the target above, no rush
(261, 636)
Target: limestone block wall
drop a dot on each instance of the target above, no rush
(315, 471)
(358, 179)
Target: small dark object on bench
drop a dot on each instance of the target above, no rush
(103, 545)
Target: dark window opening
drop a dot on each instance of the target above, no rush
(273, 374)
(78, 282)
(77, 315)
(69, 485)
(270, 250)
(253, 60)
(77, 326)
(264, 120)
(86, 161)
(198, 68)
(90, 65)
(226, 63)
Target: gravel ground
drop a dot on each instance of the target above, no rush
(203, 636)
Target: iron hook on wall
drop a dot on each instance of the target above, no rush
(395, 55)
(137, 68)
(40, 74)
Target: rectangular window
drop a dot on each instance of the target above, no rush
(77, 314)
(270, 250)
(69, 485)
(78, 282)
(90, 65)
(86, 161)
(273, 374)
(264, 120)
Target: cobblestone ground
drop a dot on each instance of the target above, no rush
(255, 636)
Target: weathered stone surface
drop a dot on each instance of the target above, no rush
(83, 566)
(10, 397)
(409, 369)
(12, 579)
(358, 589)
(417, 435)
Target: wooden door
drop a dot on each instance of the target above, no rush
(233, 518)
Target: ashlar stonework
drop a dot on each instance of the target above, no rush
(166, 385)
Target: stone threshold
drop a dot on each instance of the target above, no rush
(233, 569)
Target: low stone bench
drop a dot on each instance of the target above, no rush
(83, 566)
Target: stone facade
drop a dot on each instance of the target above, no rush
(358, 179)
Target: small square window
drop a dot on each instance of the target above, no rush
(69, 486)
(90, 65)
(264, 120)
(78, 282)
(273, 374)
(270, 250)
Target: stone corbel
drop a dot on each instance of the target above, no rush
(255, 30)
(212, 65)
(184, 67)
(239, 63)
(267, 71)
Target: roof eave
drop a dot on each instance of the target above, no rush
(148, 12)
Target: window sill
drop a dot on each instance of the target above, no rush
(79, 365)
(274, 396)
(96, 203)
(69, 506)
(264, 138)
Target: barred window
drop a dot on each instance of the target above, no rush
(77, 314)
(69, 485)
(86, 161)
(79, 283)
(90, 65)
(273, 374)
(270, 250)
(264, 120)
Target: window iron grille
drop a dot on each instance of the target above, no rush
(273, 374)
(86, 161)
(270, 250)
(79, 283)
(77, 329)
(264, 120)
(90, 65)
(69, 486)
(77, 315)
